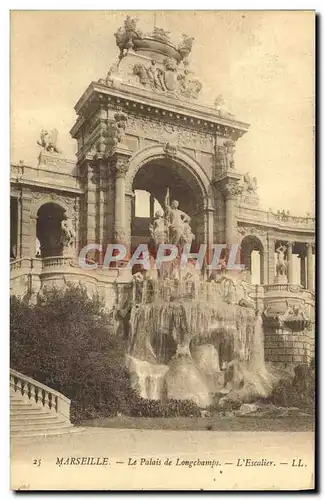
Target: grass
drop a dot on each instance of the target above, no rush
(214, 423)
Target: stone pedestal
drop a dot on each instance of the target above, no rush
(281, 279)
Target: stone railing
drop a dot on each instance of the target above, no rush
(59, 261)
(283, 287)
(52, 170)
(40, 394)
(26, 264)
(268, 218)
(16, 265)
(289, 288)
(39, 264)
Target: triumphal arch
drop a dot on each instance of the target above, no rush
(143, 127)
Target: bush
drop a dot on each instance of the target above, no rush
(169, 408)
(299, 392)
(65, 341)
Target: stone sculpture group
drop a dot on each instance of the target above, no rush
(172, 226)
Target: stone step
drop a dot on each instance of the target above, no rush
(32, 432)
(23, 416)
(18, 406)
(22, 404)
(31, 419)
(26, 422)
(26, 411)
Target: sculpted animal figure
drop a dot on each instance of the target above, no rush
(250, 183)
(48, 141)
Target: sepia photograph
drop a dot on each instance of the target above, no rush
(162, 250)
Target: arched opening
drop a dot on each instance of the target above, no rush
(150, 186)
(145, 204)
(48, 230)
(252, 253)
(13, 228)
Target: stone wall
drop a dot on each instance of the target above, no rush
(288, 347)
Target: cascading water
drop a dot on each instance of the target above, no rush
(192, 339)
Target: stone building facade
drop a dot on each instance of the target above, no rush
(143, 128)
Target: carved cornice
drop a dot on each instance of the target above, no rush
(196, 116)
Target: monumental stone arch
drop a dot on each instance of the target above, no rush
(145, 126)
(161, 167)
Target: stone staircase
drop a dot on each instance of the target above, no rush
(37, 410)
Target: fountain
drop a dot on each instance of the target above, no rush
(190, 337)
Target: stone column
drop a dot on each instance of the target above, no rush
(28, 226)
(289, 262)
(102, 203)
(129, 214)
(302, 269)
(262, 268)
(209, 234)
(152, 206)
(231, 191)
(18, 249)
(310, 267)
(91, 204)
(271, 259)
(121, 167)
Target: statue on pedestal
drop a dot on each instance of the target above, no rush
(158, 228)
(250, 183)
(48, 141)
(68, 233)
(281, 265)
(178, 223)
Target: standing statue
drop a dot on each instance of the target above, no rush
(48, 141)
(158, 229)
(281, 265)
(188, 236)
(178, 223)
(68, 234)
(230, 152)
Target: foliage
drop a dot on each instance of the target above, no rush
(65, 341)
(168, 408)
(298, 392)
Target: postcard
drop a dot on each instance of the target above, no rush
(162, 250)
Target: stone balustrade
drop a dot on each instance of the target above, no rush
(283, 287)
(30, 275)
(16, 265)
(268, 218)
(59, 261)
(53, 171)
(281, 290)
(40, 394)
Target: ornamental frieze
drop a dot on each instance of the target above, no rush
(247, 230)
(167, 132)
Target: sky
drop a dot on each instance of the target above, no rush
(262, 62)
